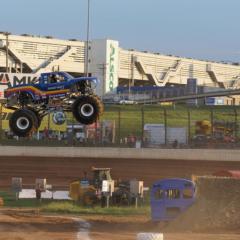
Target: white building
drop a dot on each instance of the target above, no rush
(113, 65)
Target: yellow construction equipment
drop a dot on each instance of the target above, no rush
(88, 191)
(203, 127)
(219, 132)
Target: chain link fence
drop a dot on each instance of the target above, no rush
(175, 126)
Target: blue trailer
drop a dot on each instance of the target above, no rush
(171, 197)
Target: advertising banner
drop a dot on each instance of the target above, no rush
(112, 66)
(14, 79)
(48, 122)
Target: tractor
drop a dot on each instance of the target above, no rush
(89, 191)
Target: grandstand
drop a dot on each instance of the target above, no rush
(30, 54)
(113, 65)
(162, 70)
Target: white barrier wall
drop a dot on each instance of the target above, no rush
(125, 153)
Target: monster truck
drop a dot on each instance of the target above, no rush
(56, 91)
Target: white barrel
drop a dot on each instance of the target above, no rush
(150, 236)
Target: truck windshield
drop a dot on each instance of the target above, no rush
(35, 81)
(67, 75)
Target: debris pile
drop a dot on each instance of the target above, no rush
(217, 206)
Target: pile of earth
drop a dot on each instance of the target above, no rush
(217, 207)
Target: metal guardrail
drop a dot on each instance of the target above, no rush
(193, 96)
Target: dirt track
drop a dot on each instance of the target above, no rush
(60, 172)
(18, 225)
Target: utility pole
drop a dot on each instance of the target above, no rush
(132, 69)
(87, 44)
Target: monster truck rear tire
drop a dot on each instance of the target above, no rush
(23, 122)
(150, 236)
(86, 109)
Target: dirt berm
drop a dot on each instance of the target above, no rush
(217, 207)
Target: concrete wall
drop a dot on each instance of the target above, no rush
(116, 153)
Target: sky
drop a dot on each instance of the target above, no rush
(203, 29)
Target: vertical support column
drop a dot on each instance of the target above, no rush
(108, 198)
(132, 69)
(100, 132)
(165, 124)
(72, 135)
(48, 125)
(235, 123)
(136, 201)
(212, 122)
(189, 127)
(119, 125)
(16, 67)
(7, 45)
(142, 111)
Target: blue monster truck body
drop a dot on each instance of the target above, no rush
(50, 85)
(52, 91)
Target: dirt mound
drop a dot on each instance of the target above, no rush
(217, 207)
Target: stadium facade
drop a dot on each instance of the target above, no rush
(29, 56)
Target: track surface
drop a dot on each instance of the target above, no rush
(18, 226)
(61, 171)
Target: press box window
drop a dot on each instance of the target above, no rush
(173, 193)
(159, 194)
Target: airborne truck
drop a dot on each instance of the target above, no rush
(54, 91)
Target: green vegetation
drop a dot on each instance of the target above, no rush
(72, 208)
(69, 207)
(131, 119)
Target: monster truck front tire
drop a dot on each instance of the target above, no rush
(23, 122)
(36, 116)
(86, 109)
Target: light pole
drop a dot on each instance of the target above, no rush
(88, 33)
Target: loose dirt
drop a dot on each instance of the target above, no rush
(217, 207)
(29, 225)
(127, 228)
(61, 171)
(19, 225)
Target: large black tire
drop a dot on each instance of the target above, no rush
(37, 118)
(87, 109)
(23, 122)
(101, 106)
